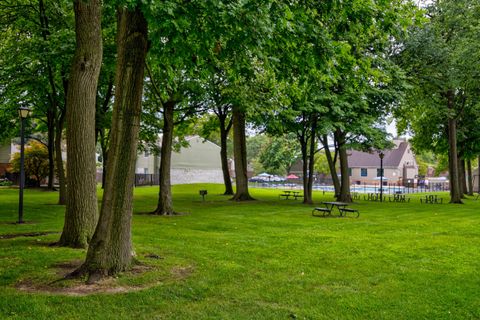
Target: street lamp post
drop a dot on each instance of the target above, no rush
(381, 155)
(23, 113)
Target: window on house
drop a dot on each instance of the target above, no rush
(363, 172)
(145, 170)
(380, 173)
(146, 154)
(349, 172)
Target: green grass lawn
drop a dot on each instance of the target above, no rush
(267, 259)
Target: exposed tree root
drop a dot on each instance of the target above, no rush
(28, 234)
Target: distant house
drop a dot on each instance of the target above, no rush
(475, 180)
(399, 165)
(6, 154)
(199, 162)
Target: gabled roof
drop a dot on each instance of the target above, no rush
(392, 157)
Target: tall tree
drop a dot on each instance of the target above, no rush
(40, 32)
(110, 250)
(81, 212)
(442, 76)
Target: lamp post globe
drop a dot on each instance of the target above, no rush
(23, 112)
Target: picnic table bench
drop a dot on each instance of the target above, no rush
(327, 210)
(287, 194)
(345, 210)
(431, 198)
(372, 197)
(398, 198)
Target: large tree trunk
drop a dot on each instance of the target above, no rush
(224, 129)
(344, 194)
(62, 194)
(165, 203)
(331, 164)
(455, 195)
(82, 212)
(240, 155)
(110, 250)
(470, 177)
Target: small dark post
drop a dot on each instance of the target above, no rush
(23, 113)
(381, 155)
(203, 193)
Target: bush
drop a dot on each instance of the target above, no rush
(36, 162)
(5, 183)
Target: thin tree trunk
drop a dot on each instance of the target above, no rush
(455, 195)
(100, 128)
(165, 203)
(53, 105)
(462, 177)
(331, 164)
(82, 212)
(344, 194)
(240, 156)
(470, 177)
(51, 147)
(62, 194)
(224, 129)
(110, 250)
(478, 174)
(104, 147)
(311, 161)
(304, 149)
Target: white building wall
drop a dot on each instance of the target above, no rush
(188, 175)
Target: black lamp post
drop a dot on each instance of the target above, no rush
(23, 113)
(381, 155)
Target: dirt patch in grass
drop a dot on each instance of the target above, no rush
(110, 285)
(27, 234)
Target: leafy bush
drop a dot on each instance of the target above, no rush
(5, 183)
(36, 162)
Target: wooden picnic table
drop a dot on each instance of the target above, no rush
(398, 198)
(372, 197)
(329, 205)
(431, 198)
(290, 193)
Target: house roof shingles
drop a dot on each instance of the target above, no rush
(364, 159)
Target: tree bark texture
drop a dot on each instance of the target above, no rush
(240, 155)
(165, 202)
(62, 192)
(110, 250)
(455, 195)
(331, 164)
(344, 194)
(224, 129)
(82, 211)
(470, 177)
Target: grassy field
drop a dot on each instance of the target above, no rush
(267, 259)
